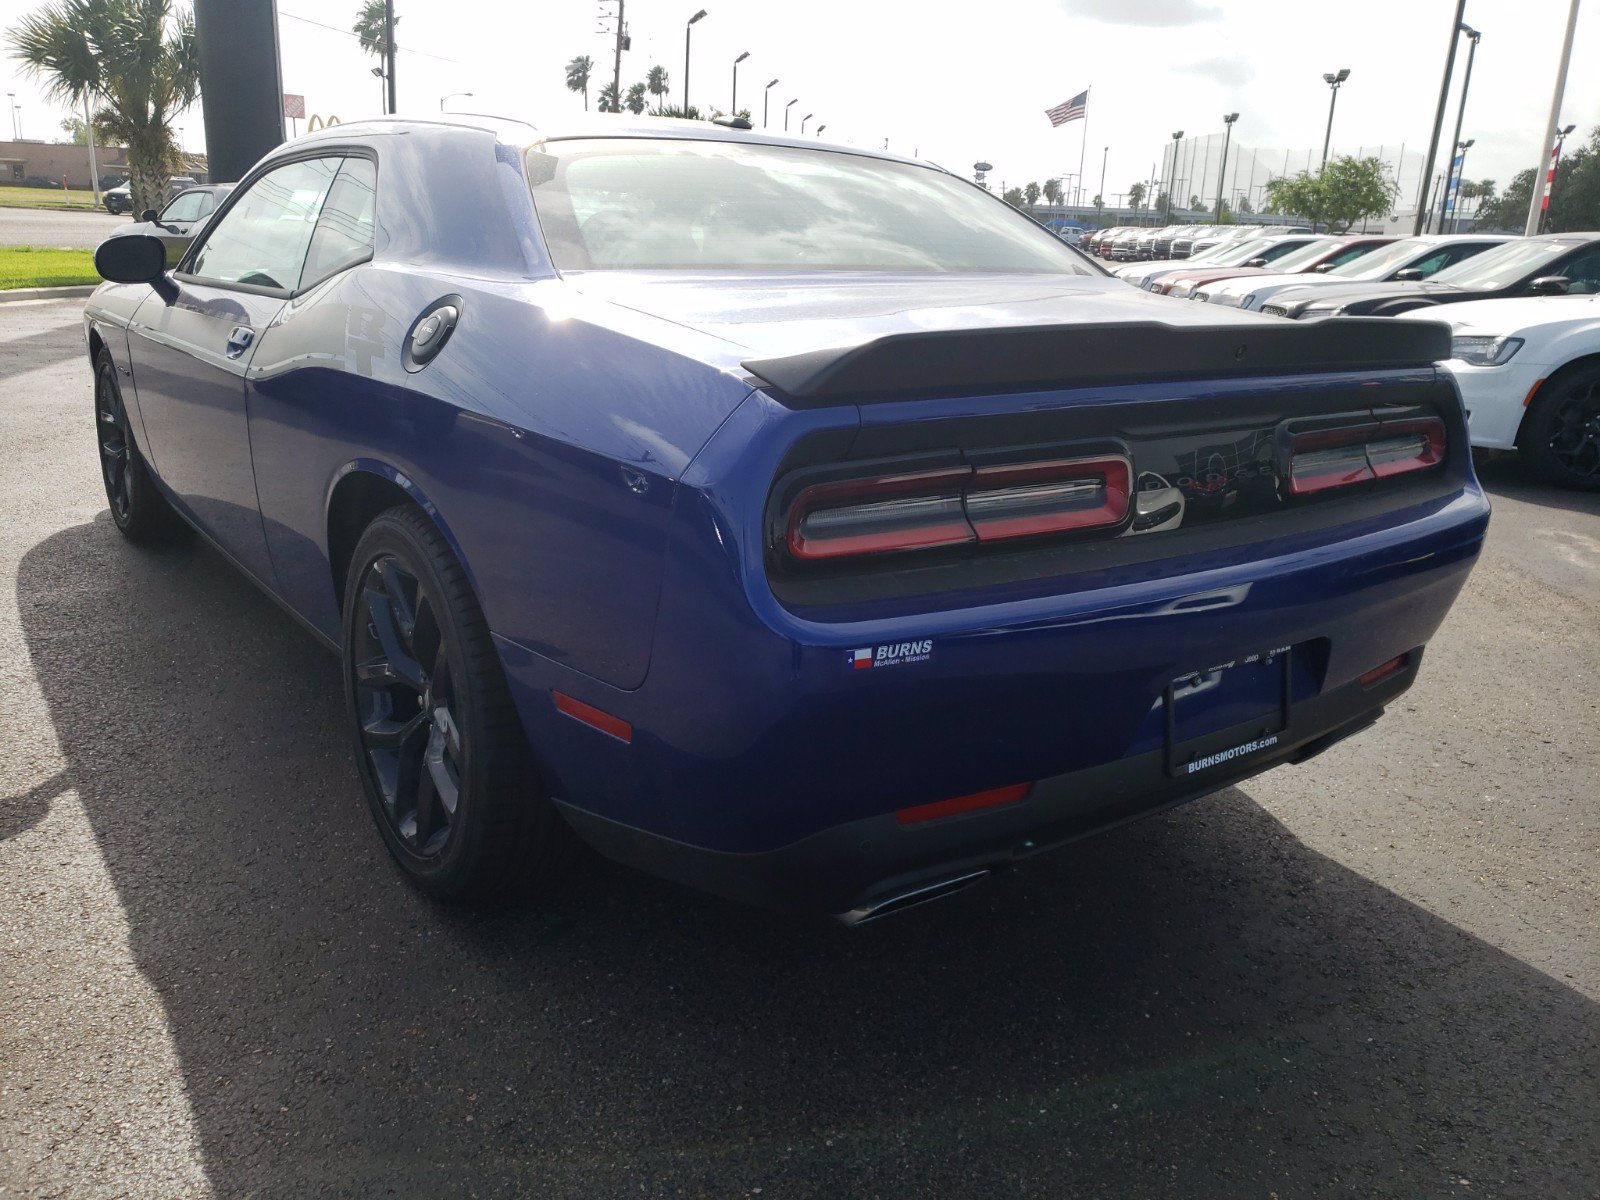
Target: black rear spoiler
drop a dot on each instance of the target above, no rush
(968, 361)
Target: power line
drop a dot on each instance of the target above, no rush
(349, 33)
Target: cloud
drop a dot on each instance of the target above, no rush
(1221, 69)
(1143, 12)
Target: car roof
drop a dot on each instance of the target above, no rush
(525, 134)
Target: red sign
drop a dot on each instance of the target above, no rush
(294, 106)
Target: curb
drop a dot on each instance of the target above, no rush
(48, 293)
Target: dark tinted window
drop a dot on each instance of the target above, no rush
(1584, 272)
(262, 239)
(697, 205)
(343, 235)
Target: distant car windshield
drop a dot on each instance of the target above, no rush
(1304, 256)
(1501, 265)
(1377, 264)
(657, 204)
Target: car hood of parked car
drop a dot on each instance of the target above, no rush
(1515, 313)
(789, 314)
(1334, 296)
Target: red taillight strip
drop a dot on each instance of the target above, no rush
(961, 804)
(1330, 458)
(1039, 484)
(1383, 672)
(593, 717)
(882, 494)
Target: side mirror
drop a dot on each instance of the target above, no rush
(148, 214)
(1550, 285)
(135, 258)
(1410, 274)
(1324, 268)
(1256, 262)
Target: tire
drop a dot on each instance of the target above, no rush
(1560, 436)
(439, 747)
(140, 511)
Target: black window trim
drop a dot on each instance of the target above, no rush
(333, 150)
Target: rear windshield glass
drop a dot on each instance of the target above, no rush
(637, 203)
(1502, 265)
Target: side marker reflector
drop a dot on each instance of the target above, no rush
(970, 803)
(1383, 672)
(593, 717)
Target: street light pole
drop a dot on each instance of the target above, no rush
(786, 109)
(1100, 196)
(388, 51)
(1438, 117)
(11, 108)
(820, 128)
(1222, 171)
(1333, 81)
(1461, 112)
(452, 96)
(733, 106)
(1535, 208)
(687, 30)
(1453, 194)
(1177, 140)
(803, 121)
(766, 96)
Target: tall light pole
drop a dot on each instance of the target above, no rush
(1177, 137)
(1333, 81)
(1461, 110)
(1453, 192)
(1222, 171)
(452, 96)
(733, 106)
(820, 128)
(687, 30)
(1550, 179)
(803, 121)
(11, 108)
(766, 96)
(786, 109)
(1100, 196)
(388, 52)
(1535, 206)
(1438, 117)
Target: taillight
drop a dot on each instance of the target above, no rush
(1361, 452)
(951, 506)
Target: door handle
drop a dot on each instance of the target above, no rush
(239, 340)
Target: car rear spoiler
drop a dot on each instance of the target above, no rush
(972, 361)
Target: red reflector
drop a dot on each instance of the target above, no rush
(594, 717)
(948, 808)
(1383, 672)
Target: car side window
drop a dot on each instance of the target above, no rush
(1584, 272)
(262, 240)
(185, 208)
(207, 203)
(343, 236)
(1433, 263)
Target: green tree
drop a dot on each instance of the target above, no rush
(636, 102)
(134, 61)
(1052, 191)
(1198, 205)
(1163, 202)
(1031, 195)
(656, 83)
(1344, 191)
(370, 29)
(578, 72)
(1013, 197)
(1136, 196)
(692, 113)
(609, 100)
(1574, 202)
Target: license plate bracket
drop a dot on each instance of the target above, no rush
(1228, 713)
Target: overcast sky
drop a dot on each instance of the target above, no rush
(957, 84)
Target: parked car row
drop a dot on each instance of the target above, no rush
(1141, 243)
(119, 199)
(1525, 319)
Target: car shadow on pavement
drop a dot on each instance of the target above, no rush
(1196, 1005)
(1507, 475)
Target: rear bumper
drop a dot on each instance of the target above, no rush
(859, 864)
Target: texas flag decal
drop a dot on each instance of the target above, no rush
(860, 659)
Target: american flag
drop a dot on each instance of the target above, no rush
(1073, 110)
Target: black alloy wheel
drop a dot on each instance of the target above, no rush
(1560, 437)
(440, 750)
(139, 509)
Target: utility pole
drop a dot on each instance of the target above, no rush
(388, 52)
(1438, 116)
(94, 168)
(1534, 201)
(1473, 37)
(616, 69)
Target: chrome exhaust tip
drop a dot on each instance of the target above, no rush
(911, 897)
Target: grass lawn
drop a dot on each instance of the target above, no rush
(27, 197)
(31, 267)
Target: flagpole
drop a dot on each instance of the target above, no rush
(1084, 144)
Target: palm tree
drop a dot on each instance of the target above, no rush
(655, 82)
(371, 31)
(1052, 191)
(1031, 195)
(609, 100)
(1136, 195)
(635, 102)
(137, 64)
(578, 72)
(1012, 196)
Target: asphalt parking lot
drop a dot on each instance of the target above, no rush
(1374, 975)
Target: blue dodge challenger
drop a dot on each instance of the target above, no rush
(795, 521)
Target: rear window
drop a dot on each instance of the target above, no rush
(637, 203)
